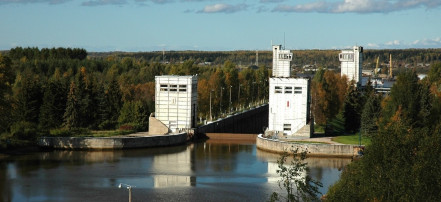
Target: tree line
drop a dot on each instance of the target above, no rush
(320, 58)
(63, 93)
(402, 162)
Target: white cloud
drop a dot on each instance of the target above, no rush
(223, 8)
(271, 1)
(420, 43)
(392, 43)
(373, 45)
(103, 2)
(32, 1)
(359, 6)
(436, 42)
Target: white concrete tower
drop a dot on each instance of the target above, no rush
(351, 63)
(281, 62)
(288, 98)
(289, 106)
(176, 101)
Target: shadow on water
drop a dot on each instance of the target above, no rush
(213, 170)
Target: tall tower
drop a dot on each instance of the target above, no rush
(281, 62)
(288, 98)
(351, 63)
(176, 101)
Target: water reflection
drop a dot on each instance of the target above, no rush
(209, 170)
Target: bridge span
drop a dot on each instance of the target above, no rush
(253, 121)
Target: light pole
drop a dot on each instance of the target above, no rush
(238, 97)
(129, 187)
(220, 108)
(211, 118)
(230, 98)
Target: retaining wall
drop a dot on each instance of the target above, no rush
(322, 150)
(253, 121)
(101, 143)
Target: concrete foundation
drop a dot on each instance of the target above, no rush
(322, 150)
(97, 143)
(157, 127)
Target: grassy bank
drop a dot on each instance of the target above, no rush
(352, 139)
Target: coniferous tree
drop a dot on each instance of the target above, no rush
(54, 102)
(352, 110)
(72, 115)
(29, 98)
(114, 100)
(370, 115)
(6, 81)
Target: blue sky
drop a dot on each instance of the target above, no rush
(154, 25)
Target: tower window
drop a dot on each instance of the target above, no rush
(287, 126)
(278, 89)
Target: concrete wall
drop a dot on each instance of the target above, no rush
(312, 149)
(253, 121)
(111, 142)
(157, 127)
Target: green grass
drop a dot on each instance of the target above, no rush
(307, 142)
(352, 139)
(82, 132)
(111, 133)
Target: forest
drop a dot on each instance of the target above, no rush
(402, 162)
(63, 91)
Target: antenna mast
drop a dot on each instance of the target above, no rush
(257, 58)
(163, 56)
(284, 45)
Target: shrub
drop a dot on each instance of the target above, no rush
(24, 130)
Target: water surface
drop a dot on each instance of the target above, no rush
(207, 171)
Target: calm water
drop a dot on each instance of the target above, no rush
(207, 171)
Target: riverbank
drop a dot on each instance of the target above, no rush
(137, 140)
(319, 149)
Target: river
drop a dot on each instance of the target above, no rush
(206, 171)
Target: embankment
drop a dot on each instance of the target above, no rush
(103, 143)
(319, 150)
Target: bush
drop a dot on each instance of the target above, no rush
(107, 125)
(64, 132)
(61, 132)
(131, 127)
(24, 130)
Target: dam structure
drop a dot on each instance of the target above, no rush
(289, 99)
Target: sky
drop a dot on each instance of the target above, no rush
(219, 25)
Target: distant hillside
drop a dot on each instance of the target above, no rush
(318, 58)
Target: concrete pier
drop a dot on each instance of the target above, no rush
(313, 149)
(120, 142)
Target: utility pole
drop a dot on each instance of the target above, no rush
(230, 98)
(238, 97)
(220, 108)
(211, 118)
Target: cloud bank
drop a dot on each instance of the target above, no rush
(223, 8)
(358, 6)
(32, 1)
(420, 43)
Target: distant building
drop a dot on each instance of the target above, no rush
(351, 63)
(289, 105)
(176, 101)
(281, 62)
(289, 110)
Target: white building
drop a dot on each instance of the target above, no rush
(289, 106)
(351, 63)
(176, 101)
(281, 62)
